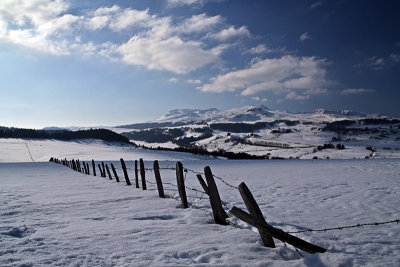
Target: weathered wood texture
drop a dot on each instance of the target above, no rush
(143, 174)
(181, 184)
(136, 174)
(94, 168)
(255, 211)
(108, 172)
(103, 169)
(128, 182)
(115, 173)
(219, 213)
(277, 233)
(202, 183)
(157, 175)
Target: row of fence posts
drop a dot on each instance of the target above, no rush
(254, 217)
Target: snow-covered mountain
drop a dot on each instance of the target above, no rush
(261, 132)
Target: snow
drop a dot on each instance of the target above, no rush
(51, 215)
(19, 150)
(302, 135)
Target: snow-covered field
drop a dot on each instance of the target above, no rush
(51, 215)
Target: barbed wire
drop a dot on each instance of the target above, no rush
(230, 221)
(345, 227)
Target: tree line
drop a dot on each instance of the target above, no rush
(65, 135)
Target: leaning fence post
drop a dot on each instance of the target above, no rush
(125, 172)
(101, 171)
(87, 168)
(94, 168)
(255, 211)
(84, 167)
(136, 174)
(143, 174)
(276, 233)
(219, 213)
(115, 172)
(202, 183)
(109, 173)
(78, 163)
(158, 179)
(181, 184)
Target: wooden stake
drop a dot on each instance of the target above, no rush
(181, 184)
(103, 169)
(158, 179)
(255, 211)
(108, 172)
(136, 174)
(219, 213)
(143, 174)
(115, 173)
(202, 183)
(125, 172)
(277, 233)
(94, 168)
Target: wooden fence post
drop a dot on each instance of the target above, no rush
(277, 233)
(115, 172)
(136, 174)
(108, 172)
(202, 183)
(84, 167)
(255, 211)
(158, 179)
(143, 174)
(103, 168)
(94, 168)
(181, 184)
(74, 165)
(101, 171)
(78, 163)
(125, 172)
(87, 168)
(219, 213)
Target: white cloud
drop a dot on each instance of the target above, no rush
(304, 36)
(356, 91)
(173, 80)
(278, 75)
(316, 4)
(37, 24)
(259, 49)
(395, 57)
(171, 54)
(230, 33)
(199, 23)
(128, 18)
(98, 22)
(194, 81)
(377, 63)
(295, 96)
(184, 2)
(157, 42)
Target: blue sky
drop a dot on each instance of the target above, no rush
(87, 63)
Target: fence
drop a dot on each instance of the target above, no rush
(209, 188)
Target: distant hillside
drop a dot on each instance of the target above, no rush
(259, 131)
(101, 134)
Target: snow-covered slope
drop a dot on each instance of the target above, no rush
(52, 216)
(257, 130)
(28, 150)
